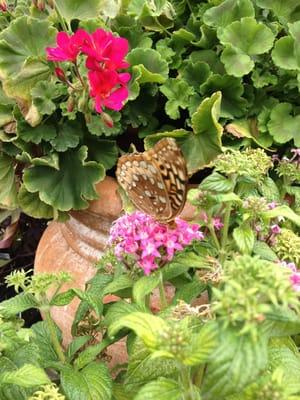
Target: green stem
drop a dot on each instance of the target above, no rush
(162, 27)
(162, 294)
(214, 236)
(198, 377)
(54, 339)
(185, 378)
(61, 18)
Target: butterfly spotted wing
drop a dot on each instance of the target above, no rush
(155, 180)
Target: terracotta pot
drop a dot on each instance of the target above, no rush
(76, 245)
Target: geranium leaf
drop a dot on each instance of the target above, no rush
(69, 187)
(227, 12)
(32, 205)
(43, 95)
(196, 73)
(283, 126)
(92, 382)
(7, 177)
(25, 38)
(162, 389)
(78, 9)
(236, 62)
(233, 104)
(283, 53)
(247, 35)
(178, 93)
(103, 151)
(97, 127)
(281, 8)
(148, 65)
(35, 134)
(243, 128)
(67, 136)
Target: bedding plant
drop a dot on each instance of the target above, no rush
(81, 80)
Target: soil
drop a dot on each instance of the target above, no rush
(21, 256)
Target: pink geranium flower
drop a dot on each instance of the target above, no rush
(68, 47)
(106, 87)
(105, 49)
(150, 242)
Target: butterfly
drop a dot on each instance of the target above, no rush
(155, 180)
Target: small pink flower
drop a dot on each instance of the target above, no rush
(59, 72)
(149, 241)
(295, 281)
(3, 5)
(217, 224)
(272, 205)
(106, 90)
(68, 47)
(275, 229)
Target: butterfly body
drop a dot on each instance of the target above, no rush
(155, 180)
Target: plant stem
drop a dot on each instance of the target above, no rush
(162, 294)
(185, 377)
(61, 18)
(199, 375)
(54, 339)
(214, 236)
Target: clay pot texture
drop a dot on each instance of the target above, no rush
(76, 245)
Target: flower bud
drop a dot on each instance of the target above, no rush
(107, 120)
(41, 5)
(70, 104)
(59, 72)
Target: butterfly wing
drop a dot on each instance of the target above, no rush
(155, 180)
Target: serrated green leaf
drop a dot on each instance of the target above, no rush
(17, 304)
(162, 389)
(146, 326)
(76, 345)
(67, 136)
(92, 382)
(71, 186)
(216, 183)
(269, 189)
(118, 310)
(224, 374)
(62, 299)
(97, 127)
(103, 151)
(263, 250)
(196, 73)
(43, 95)
(43, 340)
(283, 211)
(228, 11)
(26, 376)
(35, 134)
(120, 283)
(281, 322)
(189, 291)
(244, 238)
(90, 353)
(144, 286)
(203, 343)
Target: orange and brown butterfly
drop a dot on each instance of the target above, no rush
(155, 180)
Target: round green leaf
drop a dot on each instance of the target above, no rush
(32, 205)
(148, 65)
(281, 8)
(227, 12)
(232, 105)
(236, 63)
(178, 93)
(282, 126)
(25, 38)
(283, 53)
(248, 36)
(78, 9)
(71, 186)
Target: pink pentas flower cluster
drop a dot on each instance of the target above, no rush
(295, 274)
(105, 55)
(150, 242)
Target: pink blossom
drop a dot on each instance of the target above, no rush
(148, 241)
(107, 89)
(217, 223)
(68, 47)
(275, 229)
(105, 49)
(295, 274)
(272, 205)
(3, 5)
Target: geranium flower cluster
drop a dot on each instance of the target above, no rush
(150, 243)
(104, 54)
(295, 274)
